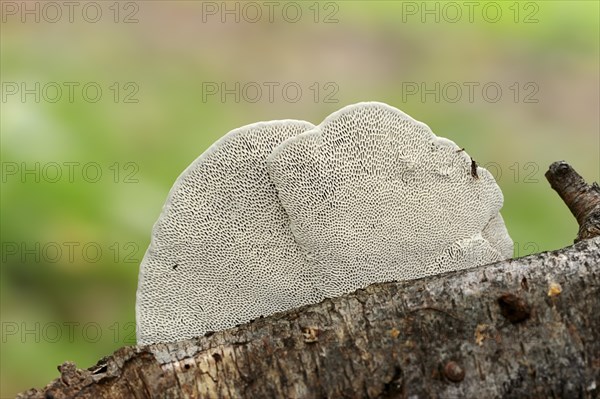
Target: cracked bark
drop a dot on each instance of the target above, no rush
(526, 327)
(389, 340)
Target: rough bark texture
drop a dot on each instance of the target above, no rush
(526, 327)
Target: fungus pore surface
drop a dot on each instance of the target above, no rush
(280, 214)
(373, 195)
(221, 251)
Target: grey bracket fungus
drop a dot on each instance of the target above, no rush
(280, 214)
(373, 195)
(221, 251)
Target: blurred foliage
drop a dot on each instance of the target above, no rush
(79, 305)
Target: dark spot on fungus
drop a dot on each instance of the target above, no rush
(514, 308)
(474, 169)
(217, 357)
(209, 333)
(175, 266)
(186, 366)
(453, 372)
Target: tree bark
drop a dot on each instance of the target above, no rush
(526, 327)
(582, 199)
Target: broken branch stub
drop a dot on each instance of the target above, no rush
(582, 199)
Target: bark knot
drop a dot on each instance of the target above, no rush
(514, 308)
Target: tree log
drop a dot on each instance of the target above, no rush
(526, 327)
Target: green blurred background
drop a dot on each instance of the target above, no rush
(84, 176)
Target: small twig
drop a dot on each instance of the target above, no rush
(582, 199)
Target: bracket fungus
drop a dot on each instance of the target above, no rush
(281, 214)
(221, 251)
(373, 195)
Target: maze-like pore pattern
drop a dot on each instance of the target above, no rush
(280, 214)
(374, 195)
(222, 252)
